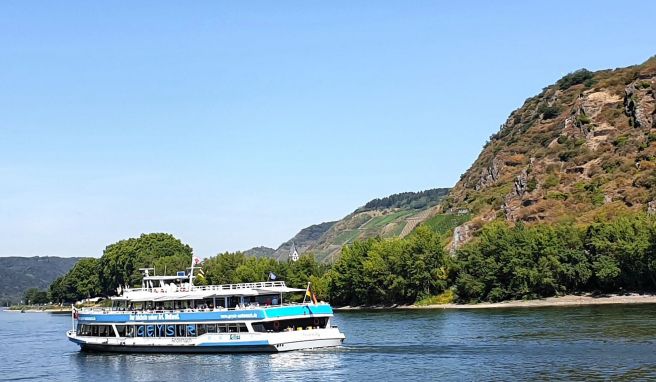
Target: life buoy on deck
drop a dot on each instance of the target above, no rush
(276, 325)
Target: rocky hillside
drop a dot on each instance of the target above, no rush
(18, 274)
(392, 216)
(584, 146)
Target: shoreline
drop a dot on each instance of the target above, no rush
(54, 311)
(562, 301)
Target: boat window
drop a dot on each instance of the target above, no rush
(84, 330)
(184, 304)
(242, 328)
(211, 328)
(220, 302)
(233, 328)
(170, 330)
(258, 328)
(268, 299)
(221, 328)
(141, 331)
(150, 330)
(191, 330)
(201, 328)
(137, 306)
(160, 330)
(233, 301)
(168, 305)
(180, 330)
(120, 329)
(94, 330)
(129, 331)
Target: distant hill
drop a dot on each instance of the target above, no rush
(304, 240)
(260, 251)
(582, 148)
(392, 216)
(17, 274)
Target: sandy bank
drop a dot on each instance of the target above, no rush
(569, 300)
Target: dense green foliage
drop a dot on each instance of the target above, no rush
(35, 296)
(232, 268)
(546, 260)
(578, 77)
(391, 271)
(407, 200)
(444, 224)
(501, 263)
(121, 261)
(119, 266)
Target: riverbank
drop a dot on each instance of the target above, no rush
(32, 309)
(569, 300)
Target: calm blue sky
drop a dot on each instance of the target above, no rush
(232, 125)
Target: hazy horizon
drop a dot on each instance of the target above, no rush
(234, 126)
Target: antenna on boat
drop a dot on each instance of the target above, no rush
(146, 273)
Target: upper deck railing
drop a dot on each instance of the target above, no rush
(208, 288)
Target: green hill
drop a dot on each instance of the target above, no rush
(260, 251)
(584, 147)
(18, 274)
(393, 216)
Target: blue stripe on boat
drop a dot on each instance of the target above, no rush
(302, 310)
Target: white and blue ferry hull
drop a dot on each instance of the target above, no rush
(216, 343)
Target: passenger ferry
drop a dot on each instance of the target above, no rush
(171, 314)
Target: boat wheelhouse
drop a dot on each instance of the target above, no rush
(170, 314)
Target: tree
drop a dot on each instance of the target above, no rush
(121, 261)
(35, 296)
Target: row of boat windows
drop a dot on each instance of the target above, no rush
(159, 330)
(207, 303)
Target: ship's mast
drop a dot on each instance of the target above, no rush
(191, 273)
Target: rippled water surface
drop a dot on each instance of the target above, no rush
(582, 343)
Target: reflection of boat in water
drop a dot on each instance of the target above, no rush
(170, 314)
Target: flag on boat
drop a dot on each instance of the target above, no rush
(200, 271)
(309, 293)
(196, 260)
(272, 276)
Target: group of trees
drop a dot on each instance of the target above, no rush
(34, 296)
(389, 271)
(119, 266)
(521, 262)
(232, 268)
(502, 263)
(120, 263)
(407, 200)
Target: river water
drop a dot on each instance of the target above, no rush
(568, 343)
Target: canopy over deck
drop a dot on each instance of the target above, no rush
(186, 292)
